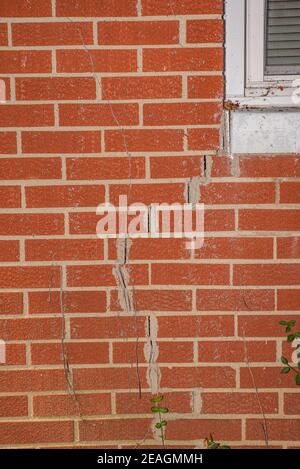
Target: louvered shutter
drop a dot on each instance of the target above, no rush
(282, 54)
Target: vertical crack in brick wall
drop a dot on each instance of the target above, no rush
(106, 98)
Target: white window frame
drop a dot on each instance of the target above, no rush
(246, 84)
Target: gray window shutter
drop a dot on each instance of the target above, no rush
(282, 54)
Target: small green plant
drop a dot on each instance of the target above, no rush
(289, 325)
(210, 443)
(159, 410)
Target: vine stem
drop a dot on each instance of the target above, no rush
(161, 431)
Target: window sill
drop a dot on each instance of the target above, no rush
(248, 103)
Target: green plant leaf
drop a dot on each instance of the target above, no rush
(158, 425)
(297, 379)
(288, 329)
(164, 423)
(285, 370)
(164, 410)
(292, 322)
(290, 337)
(155, 409)
(284, 360)
(156, 399)
(283, 323)
(297, 334)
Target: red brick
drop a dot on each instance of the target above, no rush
(83, 223)
(11, 303)
(288, 300)
(182, 114)
(31, 224)
(55, 88)
(235, 300)
(9, 251)
(91, 8)
(210, 87)
(291, 403)
(176, 166)
(128, 403)
(221, 166)
(236, 248)
(29, 277)
(181, 7)
(61, 142)
(15, 354)
(204, 31)
(112, 61)
(266, 274)
(269, 220)
(108, 378)
(30, 328)
(10, 197)
(21, 115)
(183, 59)
(138, 32)
(30, 168)
(76, 352)
(237, 351)
(144, 140)
(102, 430)
(72, 301)
(218, 220)
(48, 34)
(198, 429)
(61, 405)
(25, 61)
(105, 168)
(8, 143)
(278, 429)
(32, 380)
(102, 275)
(193, 274)
(63, 249)
(168, 352)
(141, 87)
(266, 377)
(157, 249)
(251, 326)
(148, 193)
(98, 114)
(290, 192)
(19, 8)
(269, 166)
(107, 327)
(205, 376)
(238, 193)
(30, 432)
(239, 403)
(195, 326)
(13, 406)
(203, 139)
(3, 34)
(157, 300)
(288, 248)
(64, 196)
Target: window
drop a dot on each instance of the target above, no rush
(263, 53)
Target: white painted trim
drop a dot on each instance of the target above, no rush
(255, 44)
(235, 16)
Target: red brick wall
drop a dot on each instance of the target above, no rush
(109, 97)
